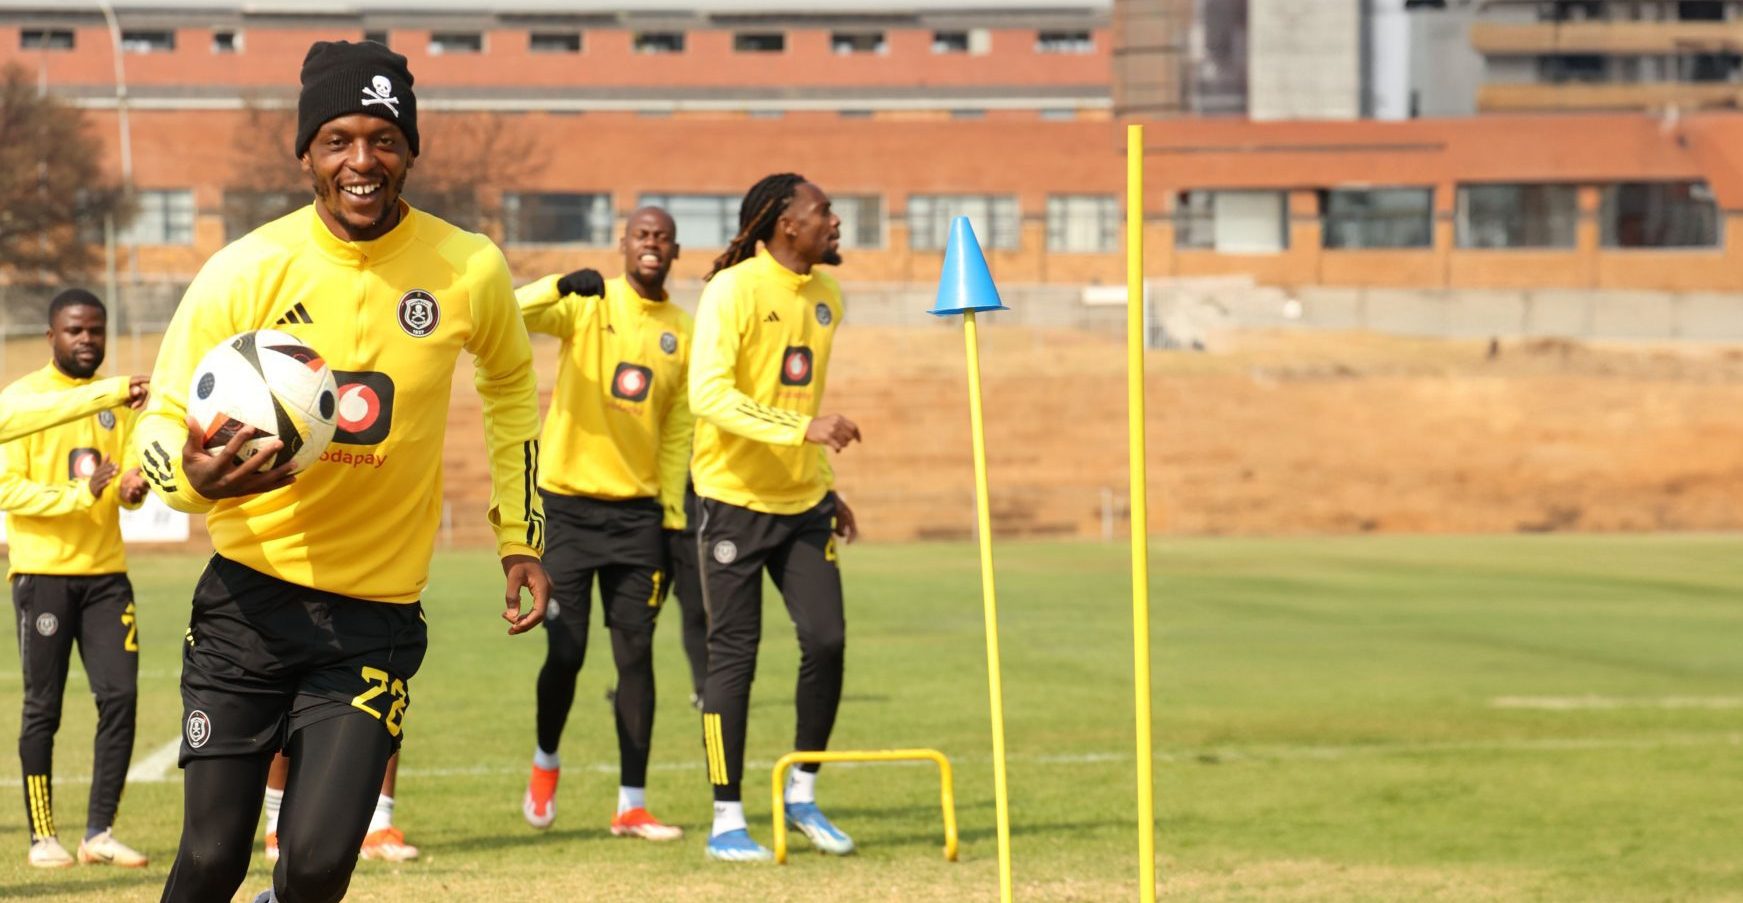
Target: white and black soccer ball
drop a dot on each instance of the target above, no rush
(271, 381)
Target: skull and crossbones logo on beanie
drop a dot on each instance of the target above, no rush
(340, 78)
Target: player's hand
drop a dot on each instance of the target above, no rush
(524, 571)
(832, 430)
(133, 487)
(587, 283)
(138, 392)
(846, 525)
(221, 475)
(101, 477)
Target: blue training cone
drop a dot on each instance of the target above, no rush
(965, 286)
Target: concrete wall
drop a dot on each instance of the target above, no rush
(1305, 59)
(1445, 70)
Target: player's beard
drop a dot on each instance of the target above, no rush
(70, 365)
(832, 257)
(395, 188)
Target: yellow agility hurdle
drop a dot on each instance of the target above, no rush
(946, 786)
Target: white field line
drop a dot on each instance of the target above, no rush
(157, 766)
(1222, 755)
(1580, 703)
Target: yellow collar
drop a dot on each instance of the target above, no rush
(364, 253)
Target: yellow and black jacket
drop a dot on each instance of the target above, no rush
(390, 317)
(619, 423)
(53, 523)
(763, 337)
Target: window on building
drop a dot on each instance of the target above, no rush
(556, 219)
(456, 42)
(1711, 67)
(1232, 222)
(378, 36)
(659, 42)
(245, 211)
(1083, 223)
(950, 42)
(968, 113)
(1517, 216)
(45, 39)
(554, 42)
(759, 42)
(1064, 42)
(1700, 10)
(226, 42)
(1058, 115)
(1570, 10)
(858, 42)
(1378, 217)
(768, 114)
(855, 114)
(1660, 215)
(164, 218)
(1565, 68)
(996, 218)
(862, 219)
(703, 220)
(141, 41)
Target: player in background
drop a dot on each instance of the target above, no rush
(19, 417)
(306, 626)
(385, 841)
(69, 580)
(616, 453)
(764, 329)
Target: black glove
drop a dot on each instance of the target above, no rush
(586, 283)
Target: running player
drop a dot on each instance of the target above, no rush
(617, 449)
(764, 329)
(687, 586)
(306, 625)
(69, 581)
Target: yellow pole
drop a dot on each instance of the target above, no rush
(983, 515)
(1140, 511)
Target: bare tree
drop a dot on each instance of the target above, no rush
(54, 194)
(469, 160)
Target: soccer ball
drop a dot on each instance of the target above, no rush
(273, 382)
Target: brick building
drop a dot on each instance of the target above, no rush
(1000, 109)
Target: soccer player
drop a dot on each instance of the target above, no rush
(69, 580)
(385, 841)
(764, 328)
(616, 452)
(306, 625)
(19, 417)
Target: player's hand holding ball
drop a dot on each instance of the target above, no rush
(261, 409)
(586, 283)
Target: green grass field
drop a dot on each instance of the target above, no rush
(1507, 718)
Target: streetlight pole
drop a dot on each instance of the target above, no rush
(109, 227)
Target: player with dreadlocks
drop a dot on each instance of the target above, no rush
(764, 328)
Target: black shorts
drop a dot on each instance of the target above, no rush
(263, 658)
(619, 542)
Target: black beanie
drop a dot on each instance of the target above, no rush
(341, 78)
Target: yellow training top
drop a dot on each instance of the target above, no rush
(390, 316)
(25, 414)
(53, 525)
(763, 334)
(619, 422)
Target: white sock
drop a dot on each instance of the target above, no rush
(801, 786)
(631, 798)
(545, 760)
(727, 817)
(383, 817)
(274, 800)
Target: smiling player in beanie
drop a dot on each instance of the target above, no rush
(306, 627)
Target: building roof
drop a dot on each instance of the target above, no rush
(511, 8)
